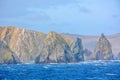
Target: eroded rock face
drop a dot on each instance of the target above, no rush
(6, 55)
(25, 44)
(103, 49)
(55, 50)
(68, 40)
(77, 50)
(30, 46)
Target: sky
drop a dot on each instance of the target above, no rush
(86, 17)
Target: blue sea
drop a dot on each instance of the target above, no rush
(90, 70)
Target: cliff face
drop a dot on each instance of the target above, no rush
(6, 55)
(103, 49)
(30, 46)
(77, 50)
(55, 49)
(25, 44)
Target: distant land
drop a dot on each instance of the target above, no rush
(90, 41)
(19, 45)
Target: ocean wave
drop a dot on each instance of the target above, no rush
(110, 74)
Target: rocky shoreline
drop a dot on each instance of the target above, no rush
(24, 46)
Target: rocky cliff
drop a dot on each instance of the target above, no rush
(31, 46)
(89, 41)
(55, 49)
(77, 50)
(6, 55)
(103, 50)
(26, 46)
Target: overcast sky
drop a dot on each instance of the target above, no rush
(88, 17)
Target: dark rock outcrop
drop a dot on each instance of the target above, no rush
(87, 54)
(77, 50)
(55, 50)
(103, 50)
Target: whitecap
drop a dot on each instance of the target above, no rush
(18, 64)
(110, 74)
(54, 63)
(28, 63)
(45, 67)
(10, 68)
(97, 78)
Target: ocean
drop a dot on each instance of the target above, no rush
(89, 70)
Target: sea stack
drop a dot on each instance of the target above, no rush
(103, 49)
(77, 50)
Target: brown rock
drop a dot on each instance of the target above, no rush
(103, 49)
(25, 44)
(55, 50)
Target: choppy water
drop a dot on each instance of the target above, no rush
(95, 70)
